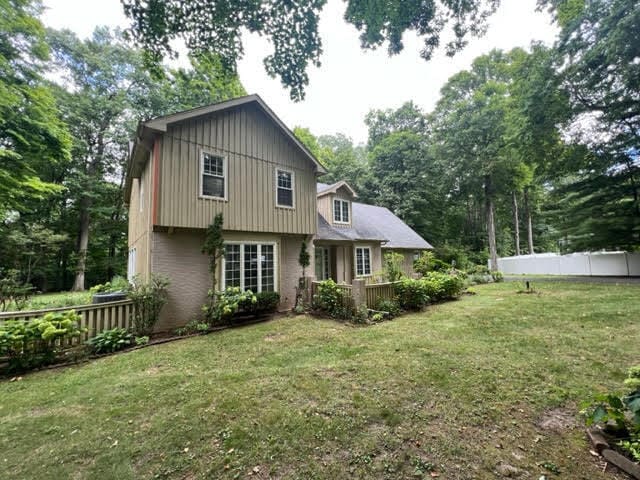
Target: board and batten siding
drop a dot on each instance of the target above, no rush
(254, 147)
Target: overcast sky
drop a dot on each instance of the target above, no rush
(350, 81)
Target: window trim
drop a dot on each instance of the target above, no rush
(355, 261)
(334, 211)
(141, 193)
(225, 168)
(258, 243)
(131, 264)
(293, 188)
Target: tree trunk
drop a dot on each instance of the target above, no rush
(83, 244)
(516, 223)
(527, 212)
(491, 224)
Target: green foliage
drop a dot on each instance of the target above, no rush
(332, 300)
(13, 293)
(442, 286)
(225, 304)
(117, 284)
(156, 25)
(194, 326)
(412, 294)
(497, 276)
(304, 258)
(31, 132)
(361, 315)
(392, 307)
(109, 341)
(265, 302)
(632, 446)
(139, 341)
(214, 245)
(621, 412)
(148, 300)
(393, 266)
(423, 263)
(37, 342)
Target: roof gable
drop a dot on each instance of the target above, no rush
(160, 124)
(333, 188)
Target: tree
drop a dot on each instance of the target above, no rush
(210, 26)
(214, 247)
(304, 258)
(32, 137)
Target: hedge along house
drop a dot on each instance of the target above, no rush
(353, 237)
(238, 158)
(234, 157)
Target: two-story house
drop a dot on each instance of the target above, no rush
(238, 158)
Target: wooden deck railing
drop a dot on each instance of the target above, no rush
(95, 318)
(377, 291)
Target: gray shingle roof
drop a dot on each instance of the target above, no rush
(370, 222)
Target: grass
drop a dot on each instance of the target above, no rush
(53, 300)
(459, 390)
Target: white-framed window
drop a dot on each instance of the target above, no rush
(323, 271)
(131, 265)
(285, 188)
(340, 211)
(363, 261)
(213, 176)
(250, 266)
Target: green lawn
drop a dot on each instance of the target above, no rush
(54, 300)
(461, 388)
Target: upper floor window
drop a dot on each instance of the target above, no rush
(284, 187)
(340, 211)
(214, 176)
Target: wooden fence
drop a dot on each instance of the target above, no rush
(95, 318)
(379, 291)
(374, 292)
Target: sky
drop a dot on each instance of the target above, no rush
(350, 82)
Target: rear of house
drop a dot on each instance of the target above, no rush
(238, 158)
(234, 158)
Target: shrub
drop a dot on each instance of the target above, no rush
(117, 284)
(441, 286)
(393, 266)
(478, 279)
(141, 340)
(412, 294)
(377, 318)
(497, 277)
(422, 264)
(266, 302)
(37, 342)
(225, 304)
(13, 291)
(620, 413)
(331, 299)
(110, 341)
(392, 307)
(148, 300)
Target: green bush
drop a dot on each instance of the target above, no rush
(110, 341)
(117, 284)
(13, 292)
(331, 300)
(411, 294)
(148, 300)
(225, 304)
(390, 306)
(620, 414)
(497, 277)
(37, 342)
(441, 286)
(141, 340)
(393, 266)
(266, 302)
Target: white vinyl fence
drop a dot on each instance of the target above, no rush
(618, 264)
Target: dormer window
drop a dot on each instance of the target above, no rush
(340, 211)
(284, 188)
(213, 176)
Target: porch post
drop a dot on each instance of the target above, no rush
(359, 292)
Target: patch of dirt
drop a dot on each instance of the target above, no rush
(272, 337)
(557, 420)
(153, 370)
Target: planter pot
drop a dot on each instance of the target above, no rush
(108, 297)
